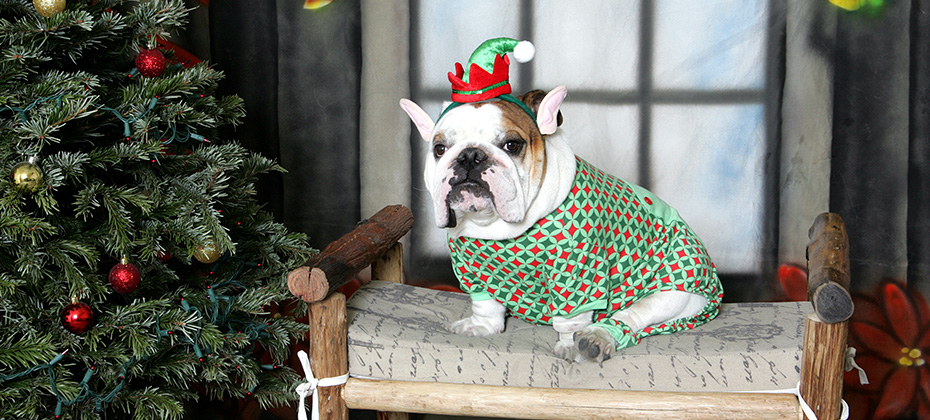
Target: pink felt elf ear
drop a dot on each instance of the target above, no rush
(547, 116)
(419, 117)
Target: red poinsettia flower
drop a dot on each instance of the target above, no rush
(891, 332)
(793, 281)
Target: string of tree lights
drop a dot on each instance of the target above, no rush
(218, 314)
(136, 265)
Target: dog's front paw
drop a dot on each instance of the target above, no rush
(593, 343)
(475, 327)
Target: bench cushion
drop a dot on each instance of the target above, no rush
(400, 332)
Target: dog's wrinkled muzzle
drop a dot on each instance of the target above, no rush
(477, 183)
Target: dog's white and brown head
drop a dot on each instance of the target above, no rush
(493, 170)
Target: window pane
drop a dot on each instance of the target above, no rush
(707, 162)
(590, 44)
(605, 135)
(451, 29)
(711, 44)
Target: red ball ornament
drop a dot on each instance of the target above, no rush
(77, 317)
(150, 63)
(125, 277)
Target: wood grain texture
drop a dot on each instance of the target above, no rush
(328, 352)
(822, 366)
(547, 403)
(344, 258)
(828, 269)
(390, 266)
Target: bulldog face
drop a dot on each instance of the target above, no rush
(486, 160)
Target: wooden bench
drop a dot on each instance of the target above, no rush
(808, 346)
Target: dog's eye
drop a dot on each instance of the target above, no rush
(514, 146)
(439, 150)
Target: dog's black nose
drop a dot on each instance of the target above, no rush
(471, 157)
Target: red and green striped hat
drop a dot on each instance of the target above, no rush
(488, 73)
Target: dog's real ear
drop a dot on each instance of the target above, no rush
(546, 107)
(419, 117)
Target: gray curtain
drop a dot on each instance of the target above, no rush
(880, 181)
(298, 71)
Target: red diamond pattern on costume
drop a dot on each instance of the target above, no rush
(604, 248)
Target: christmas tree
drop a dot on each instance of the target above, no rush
(136, 265)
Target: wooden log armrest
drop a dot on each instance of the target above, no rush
(826, 329)
(340, 260)
(828, 269)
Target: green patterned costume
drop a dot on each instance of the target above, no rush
(608, 245)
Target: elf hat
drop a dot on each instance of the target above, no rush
(488, 73)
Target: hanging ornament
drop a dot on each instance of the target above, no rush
(316, 4)
(77, 317)
(869, 6)
(26, 176)
(49, 8)
(125, 277)
(208, 253)
(150, 63)
(163, 256)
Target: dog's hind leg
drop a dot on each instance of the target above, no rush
(595, 343)
(659, 308)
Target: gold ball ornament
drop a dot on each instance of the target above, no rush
(208, 253)
(26, 176)
(49, 8)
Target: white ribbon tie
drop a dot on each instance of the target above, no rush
(309, 388)
(851, 364)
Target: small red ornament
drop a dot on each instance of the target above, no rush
(77, 317)
(150, 63)
(125, 277)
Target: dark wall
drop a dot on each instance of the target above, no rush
(299, 72)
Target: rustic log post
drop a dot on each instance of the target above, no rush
(828, 269)
(372, 242)
(826, 330)
(822, 365)
(329, 352)
(390, 266)
(345, 257)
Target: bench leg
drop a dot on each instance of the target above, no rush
(822, 366)
(329, 353)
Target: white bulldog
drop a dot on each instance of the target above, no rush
(541, 234)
